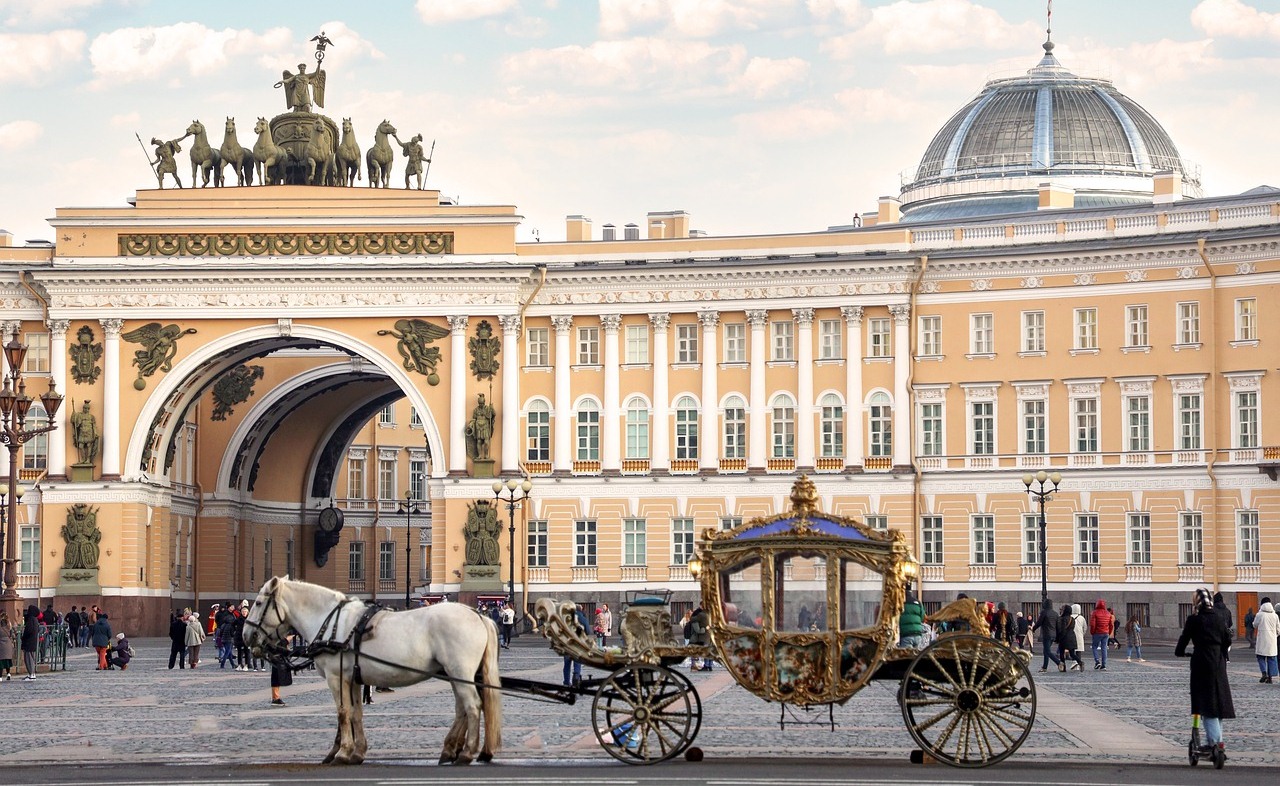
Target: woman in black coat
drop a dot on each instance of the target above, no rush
(1210, 689)
(1047, 629)
(177, 640)
(30, 640)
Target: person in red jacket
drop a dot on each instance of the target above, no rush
(1102, 623)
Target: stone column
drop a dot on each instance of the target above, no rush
(510, 412)
(901, 370)
(757, 439)
(610, 451)
(458, 403)
(58, 373)
(661, 394)
(805, 453)
(708, 431)
(562, 450)
(111, 397)
(853, 418)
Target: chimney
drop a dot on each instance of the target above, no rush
(577, 228)
(890, 211)
(1056, 197)
(668, 224)
(610, 232)
(6, 238)
(631, 232)
(1166, 187)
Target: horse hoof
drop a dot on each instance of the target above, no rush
(485, 757)
(327, 759)
(462, 761)
(445, 759)
(356, 758)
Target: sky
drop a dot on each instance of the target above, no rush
(755, 116)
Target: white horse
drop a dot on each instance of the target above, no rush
(398, 648)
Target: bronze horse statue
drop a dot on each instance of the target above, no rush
(348, 156)
(204, 159)
(379, 158)
(232, 153)
(269, 158)
(319, 156)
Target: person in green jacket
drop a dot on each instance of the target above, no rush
(911, 623)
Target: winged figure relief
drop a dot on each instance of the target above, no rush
(159, 346)
(413, 336)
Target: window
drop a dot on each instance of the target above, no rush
(355, 476)
(1034, 431)
(588, 346)
(1138, 412)
(537, 538)
(877, 521)
(687, 343)
(387, 416)
(35, 453)
(831, 426)
(1135, 326)
(730, 522)
(984, 427)
(584, 544)
(931, 540)
(829, 343)
(880, 425)
(1030, 538)
(1247, 319)
(387, 478)
(735, 342)
(538, 432)
(1085, 411)
(415, 420)
(931, 430)
(355, 560)
(1139, 538)
(1189, 323)
(1140, 612)
(1247, 536)
(29, 549)
(1246, 402)
(633, 542)
(983, 527)
(783, 340)
(735, 428)
(686, 428)
(982, 334)
(681, 541)
(930, 335)
(1086, 328)
(387, 561)
(637, 429)
(37, 360)
(784, 427)
(1191, 535)
(589, 431)
(418, 478)
(1033, 331)
(538, 347)
(1086, 538)
(878, 344)
(1189, 421)
(637, 343)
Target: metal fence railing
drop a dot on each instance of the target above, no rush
(51, 647)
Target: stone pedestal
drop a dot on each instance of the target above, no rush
(481, 578)
(482, 468)
(81, 473)
(78, 581)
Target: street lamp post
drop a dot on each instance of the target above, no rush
(513, 492)
(14, 404)
(410, 509)
(1042, 493)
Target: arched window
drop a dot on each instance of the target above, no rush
(686, 428)
(880, 424)
(538, 432)
(637, 428)
(588, 431)
(784, 426)
(832, 426)
(35, 453)
(735, 428)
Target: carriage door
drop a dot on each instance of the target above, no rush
(1244, 602)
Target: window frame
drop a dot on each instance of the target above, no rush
(1137, 326)
(1033, 331)
(1188, 324)
(733, 433)
(782, 341)
(537, 431)
(636, 339)
(1035, 426)
(1248, 537)
(1190, 537)
(687, 348)
(687, 429)
(982, 537)
(880, 337)
(982, 333)
(931, 540)
(636, 431)
(734, 342)
(930, 338)
(537, 347)
(537, 542)
(587, 430)
(635, 550)
(782, 426)
(1086, 328)
(585, 543)
(1138, 530)
(1246, 319)
(682, 540)
(830, 339)
(588, 345)
(831, 416)
(1088, 538)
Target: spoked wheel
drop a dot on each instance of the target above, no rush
(968, 700)
(644, 714)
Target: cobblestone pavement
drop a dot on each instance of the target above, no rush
(1130, 713)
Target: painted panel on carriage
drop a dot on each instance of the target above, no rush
(801, 668)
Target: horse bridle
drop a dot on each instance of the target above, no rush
(274, 648)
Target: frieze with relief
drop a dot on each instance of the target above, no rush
(286, 244)
(273, 300)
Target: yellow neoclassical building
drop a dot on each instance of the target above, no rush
(1049, 290)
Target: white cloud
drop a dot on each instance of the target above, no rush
(443, 12)
(1234, 19)
(689, 18)
(133, 54)
(641, 64)
(19, 134)
(933, 26)
(874, 105)
(1145, 66)
(32, 58)
(126, 120)
(849, 12)
(348, 44)
(41, 12)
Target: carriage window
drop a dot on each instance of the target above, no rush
(740, 590)
(860, 595)
(800, 588)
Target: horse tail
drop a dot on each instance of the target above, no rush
(491, 695)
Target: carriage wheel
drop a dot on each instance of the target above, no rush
(644, 714)
(968, 700)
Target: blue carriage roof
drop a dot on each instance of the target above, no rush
(786, 526)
